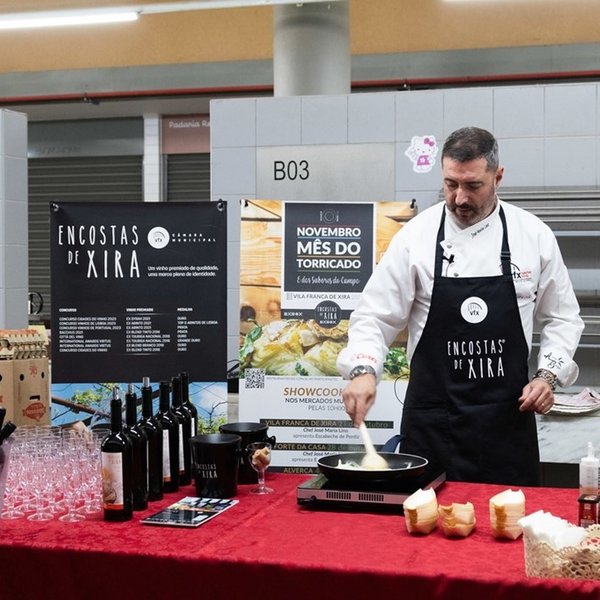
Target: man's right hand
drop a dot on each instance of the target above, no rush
(359, 396)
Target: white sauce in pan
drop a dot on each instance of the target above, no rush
(354, 466)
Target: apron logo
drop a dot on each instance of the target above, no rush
(517, 273)
(474, 310)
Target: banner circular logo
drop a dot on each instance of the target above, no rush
(158, 237)
(474, 310)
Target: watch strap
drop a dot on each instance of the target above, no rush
(362, 370)
(547, 376)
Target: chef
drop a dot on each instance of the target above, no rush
(468, 277)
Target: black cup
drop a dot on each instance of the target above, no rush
(249, 432)
(215, 464)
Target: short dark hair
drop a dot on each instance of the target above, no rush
(471, 143)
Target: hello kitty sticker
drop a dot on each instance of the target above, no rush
(422, 152)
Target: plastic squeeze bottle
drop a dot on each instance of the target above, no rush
(588, 472)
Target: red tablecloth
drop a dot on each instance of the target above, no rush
(269, 547)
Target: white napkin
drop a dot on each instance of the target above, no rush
(541, 526)
(588, 400)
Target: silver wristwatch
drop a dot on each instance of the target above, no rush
(362, 370)
(547, 376)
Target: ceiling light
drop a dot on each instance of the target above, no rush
(120, 14)
(212, 4)
(65, 18)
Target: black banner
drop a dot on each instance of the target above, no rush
(138, 289)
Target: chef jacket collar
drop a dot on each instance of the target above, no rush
(452, 231)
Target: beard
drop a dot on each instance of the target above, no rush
(464, 215)
(468, 214)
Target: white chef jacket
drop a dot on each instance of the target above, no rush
(398, 294)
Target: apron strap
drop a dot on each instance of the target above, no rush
(504, 252)
(439, 252)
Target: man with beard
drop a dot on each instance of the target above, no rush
(468, 277)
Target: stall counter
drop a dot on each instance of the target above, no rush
(270, 547)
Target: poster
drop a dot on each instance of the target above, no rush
(138, 290)
(303, 267)
(327, 259)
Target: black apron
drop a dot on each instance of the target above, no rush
(461, 409)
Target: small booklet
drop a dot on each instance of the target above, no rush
(189, 512)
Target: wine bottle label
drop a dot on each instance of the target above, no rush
(112, 481)
(181, 461)
(166, 457)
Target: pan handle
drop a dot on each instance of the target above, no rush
(392, 443)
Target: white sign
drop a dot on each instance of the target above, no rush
(351, 173)
(307, 416)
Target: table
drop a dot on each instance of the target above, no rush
(269, 547)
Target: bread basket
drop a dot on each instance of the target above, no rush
(581, 562)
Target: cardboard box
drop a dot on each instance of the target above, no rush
(7, 390)
(24, 377)
(32, 392)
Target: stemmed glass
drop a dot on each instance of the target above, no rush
(41, 473)
(13, 480)
(259, 456)
(91, 485)
(51, 471)
(11, 502)
(71, 481)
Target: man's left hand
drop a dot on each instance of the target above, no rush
(537, 395)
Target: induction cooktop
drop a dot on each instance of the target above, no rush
(320, 493)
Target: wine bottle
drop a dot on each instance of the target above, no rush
(186, 402)
(184, 419)
(170, 427)
(117, 497)
(154, 432)
(139, 449)
(7, 430)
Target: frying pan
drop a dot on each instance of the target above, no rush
(401, 466)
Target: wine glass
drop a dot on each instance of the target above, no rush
(259, 456)
(91, 485)
(13, 481)
(71, 484)
(41, 474)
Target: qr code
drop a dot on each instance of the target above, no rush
(255, 379)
